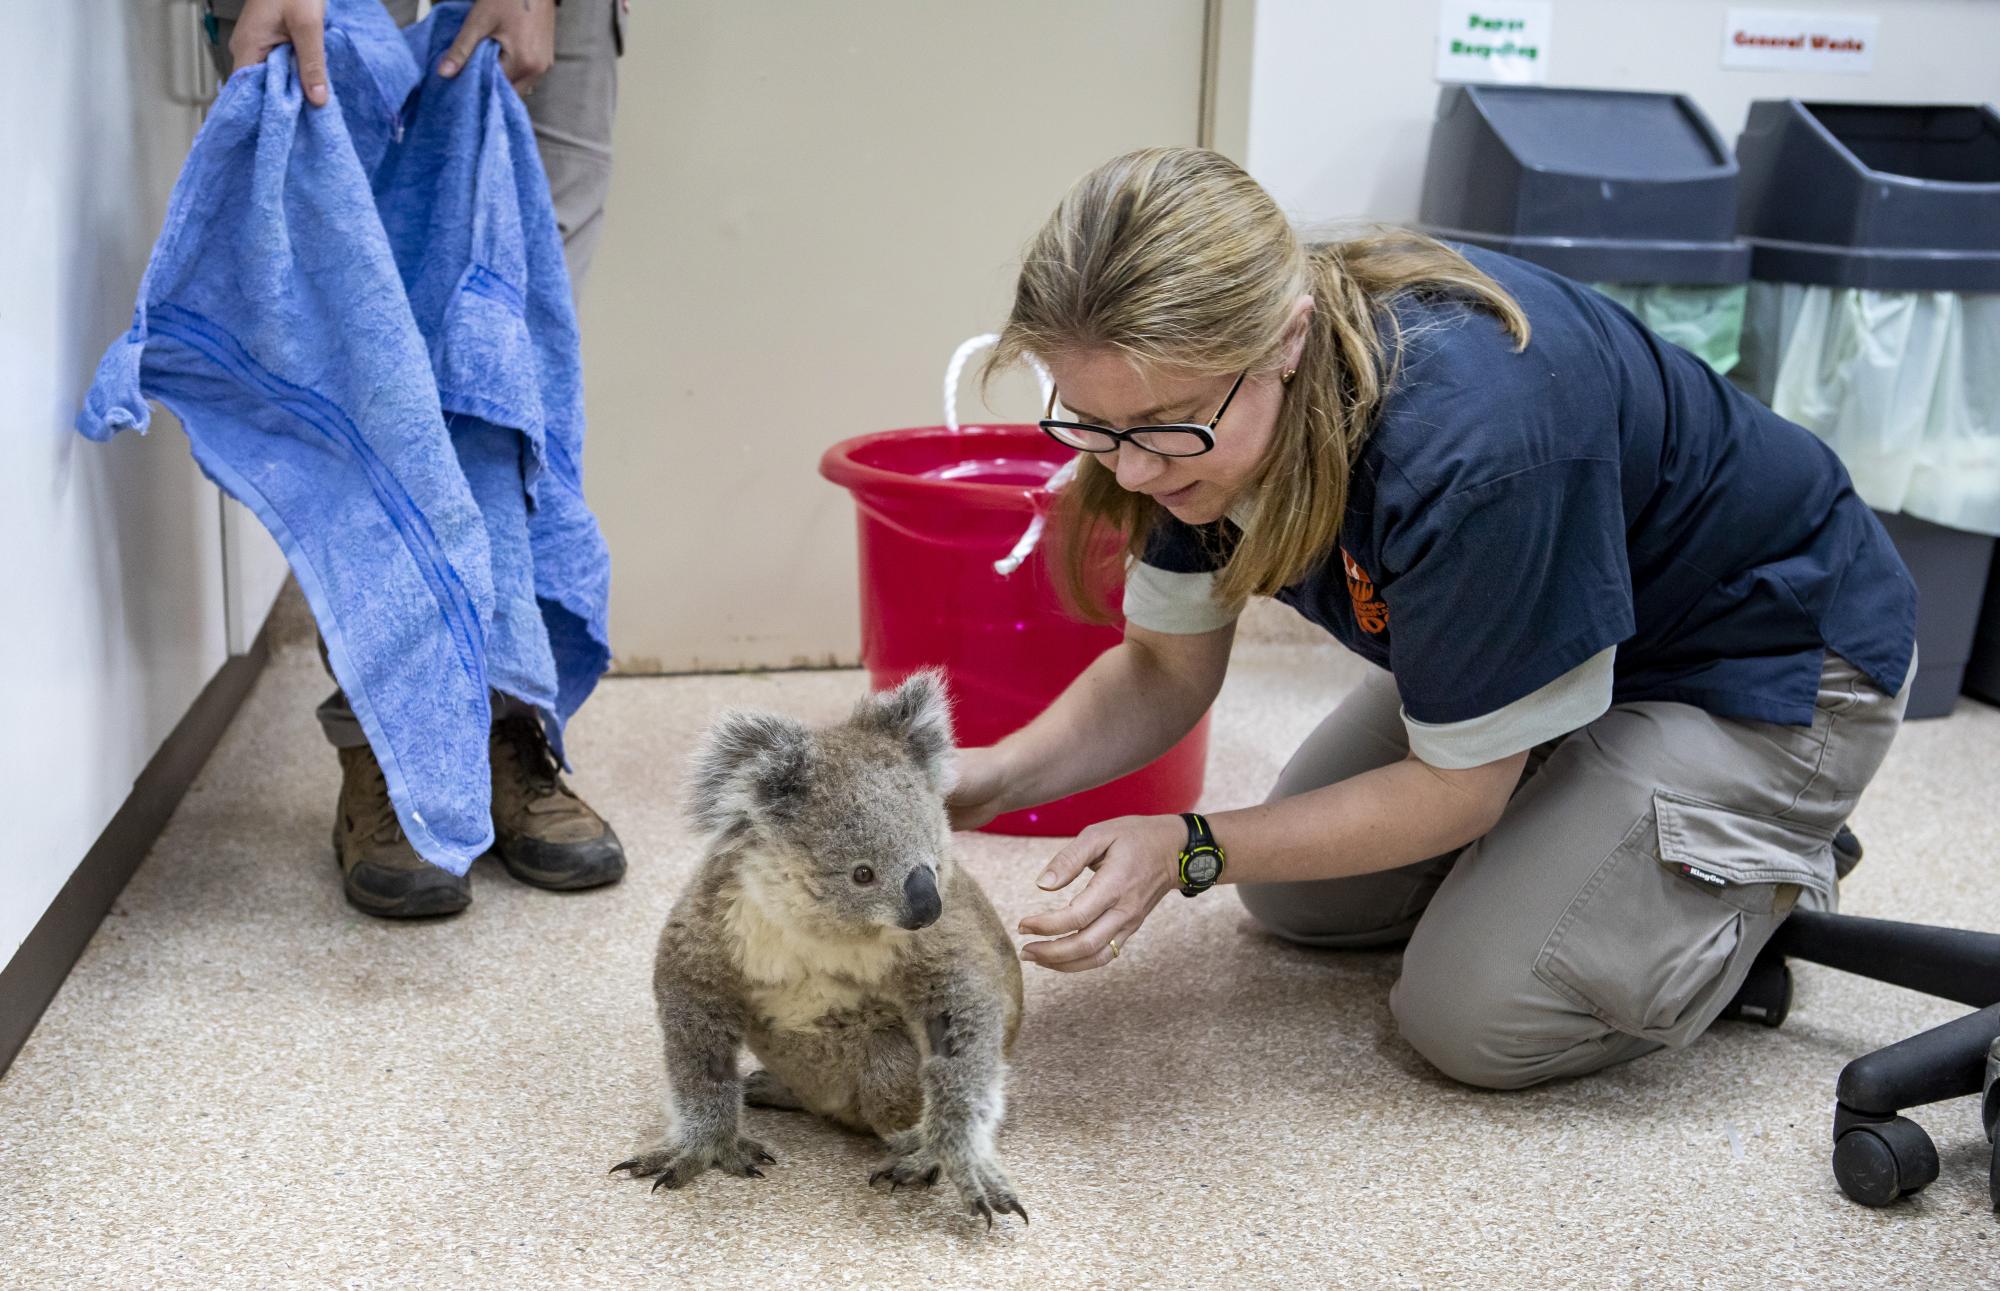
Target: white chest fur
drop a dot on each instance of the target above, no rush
(794, 977)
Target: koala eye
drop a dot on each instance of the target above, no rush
(863, 874)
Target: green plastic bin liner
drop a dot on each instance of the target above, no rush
(1704, 320)
(1905, 386)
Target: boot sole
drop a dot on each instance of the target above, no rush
(425, 903)
(429, 902)
(599, 871)
(560, 882)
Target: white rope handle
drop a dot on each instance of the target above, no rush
(956, 368)
(1031, 537)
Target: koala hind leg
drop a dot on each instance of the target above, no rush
(762, 1089)
(859, 1074)
(890, 1090)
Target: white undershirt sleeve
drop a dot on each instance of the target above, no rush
(1573, 700)
(1179, 604)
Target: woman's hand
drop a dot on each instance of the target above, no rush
(266, 24)
(526, 30)
(980, 791)
(1134, 859)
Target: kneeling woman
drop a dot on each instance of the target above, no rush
(1639, 646)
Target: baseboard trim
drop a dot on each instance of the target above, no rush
(37, 971)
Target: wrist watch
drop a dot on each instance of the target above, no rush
(1202, 859)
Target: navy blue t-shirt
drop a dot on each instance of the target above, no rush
(1513, 514)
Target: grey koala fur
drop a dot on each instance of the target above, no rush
(884, 999)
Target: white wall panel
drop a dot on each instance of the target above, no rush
(114, 596)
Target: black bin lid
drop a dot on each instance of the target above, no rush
(1599, 185)
(1901, 197)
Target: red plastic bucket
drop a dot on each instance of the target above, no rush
(937, 508)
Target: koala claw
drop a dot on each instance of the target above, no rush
(997, 1200)
(982, 1184)
(676, 1164)
(900, 1172)
(908, 1163)
(986, 1189)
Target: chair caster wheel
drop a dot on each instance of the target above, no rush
(1879, 1162)
(1989, 1112)
(1765, 996)
(1993, 1176)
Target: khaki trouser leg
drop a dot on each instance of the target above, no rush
(1620, 901)
(572, 107)
(1364, 731)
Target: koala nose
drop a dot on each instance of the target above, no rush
(921, 903)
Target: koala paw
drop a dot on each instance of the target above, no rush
(910, 1161)
(982, 1183)
(677, 1162)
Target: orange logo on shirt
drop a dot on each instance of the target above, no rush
(1370, 611)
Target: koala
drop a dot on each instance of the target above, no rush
(829, 931)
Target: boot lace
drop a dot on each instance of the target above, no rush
(377, 820)
(534, 763)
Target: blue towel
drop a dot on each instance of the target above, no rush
(442, 543)
(466, 207)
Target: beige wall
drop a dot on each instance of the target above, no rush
(813, 204)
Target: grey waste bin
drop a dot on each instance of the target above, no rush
(1950, 567)
(1874, 321)
(1982, 670)
(1631, 192)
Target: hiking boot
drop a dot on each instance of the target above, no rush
(543, 833)
(379, 870)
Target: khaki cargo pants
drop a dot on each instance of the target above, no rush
(1617, 906)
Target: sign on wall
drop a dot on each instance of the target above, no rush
(1507, 41)
(1787, 40)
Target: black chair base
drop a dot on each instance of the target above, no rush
(1879, 1154)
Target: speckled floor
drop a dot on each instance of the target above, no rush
(247, 1084)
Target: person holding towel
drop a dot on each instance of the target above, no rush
(562, 55)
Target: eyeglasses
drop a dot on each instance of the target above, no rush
(1180, 439)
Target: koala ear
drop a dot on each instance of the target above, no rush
(918, 713)
(749, 765)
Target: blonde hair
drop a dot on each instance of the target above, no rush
(1177, 259)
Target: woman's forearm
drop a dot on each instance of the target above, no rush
(1123, 711)
(1382, 819)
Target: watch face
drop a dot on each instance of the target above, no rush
(1203, 867)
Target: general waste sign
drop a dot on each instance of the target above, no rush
(1784, 40)
(1506, 42)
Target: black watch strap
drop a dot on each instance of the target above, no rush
(1201, 861)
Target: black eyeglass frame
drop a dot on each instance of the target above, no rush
(1206, 434)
